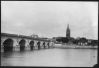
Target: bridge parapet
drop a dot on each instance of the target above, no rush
(22, 36)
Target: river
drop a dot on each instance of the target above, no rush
(51, 57)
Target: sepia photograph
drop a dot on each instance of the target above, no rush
(49, 33)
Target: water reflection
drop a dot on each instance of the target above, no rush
(51, 57)
(6, 54)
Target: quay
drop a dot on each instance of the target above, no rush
(74, 46)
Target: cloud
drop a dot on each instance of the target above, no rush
(49, 19)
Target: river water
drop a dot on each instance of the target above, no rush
(51, 57)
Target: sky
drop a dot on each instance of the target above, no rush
(50, 18)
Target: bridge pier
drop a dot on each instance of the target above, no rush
(35, 44)
(8, 45)
(48, 44)
(44, 45)
(41, 44)
(38, 44)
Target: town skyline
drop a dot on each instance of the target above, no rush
(50, 19)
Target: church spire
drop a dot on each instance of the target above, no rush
(68, 32)
(68, 26)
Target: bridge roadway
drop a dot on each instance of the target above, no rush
(11, 41)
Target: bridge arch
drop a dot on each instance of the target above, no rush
(8, 45)
(31, 45)
(22, 44)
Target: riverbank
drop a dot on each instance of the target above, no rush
(73, 46)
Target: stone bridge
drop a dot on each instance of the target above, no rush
(10, 42)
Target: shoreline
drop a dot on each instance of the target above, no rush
(69, 46)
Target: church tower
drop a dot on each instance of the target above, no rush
(68, 32)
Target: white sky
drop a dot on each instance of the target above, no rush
(50, 18)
